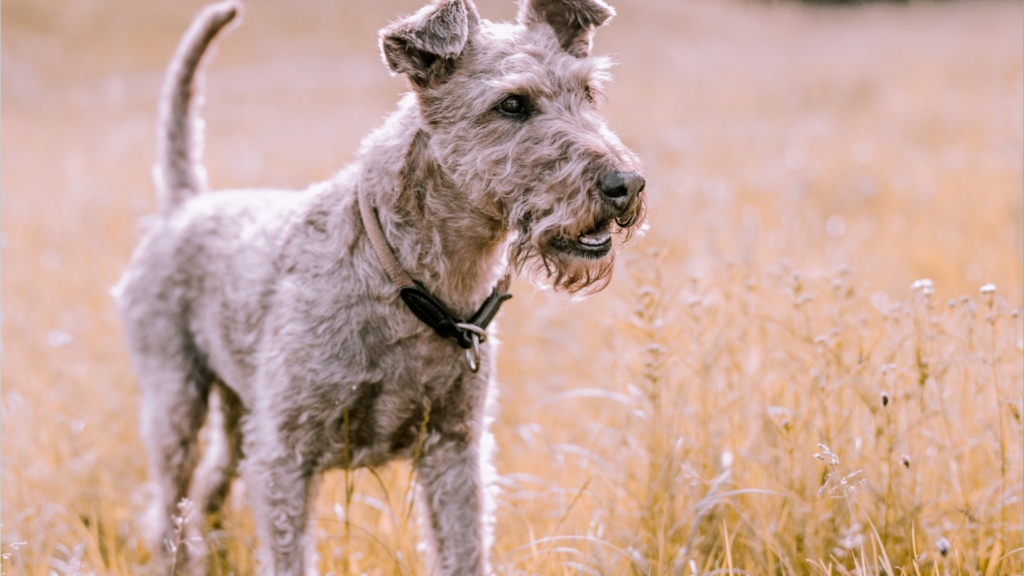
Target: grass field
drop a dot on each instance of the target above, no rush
(768, 386)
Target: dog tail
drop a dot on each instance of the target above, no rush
(179, 173)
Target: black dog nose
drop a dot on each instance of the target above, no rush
(620, 188)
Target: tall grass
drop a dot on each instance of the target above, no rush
(732, 386)
(802, 369)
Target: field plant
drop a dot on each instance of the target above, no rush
(811, 364)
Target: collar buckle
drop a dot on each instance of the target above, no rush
(469, 334)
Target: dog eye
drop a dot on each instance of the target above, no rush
(588, 93)
(513, 106)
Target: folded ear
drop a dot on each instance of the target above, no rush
(574, 21)
(424, 46)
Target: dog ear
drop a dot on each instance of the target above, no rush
(574, 21)
(426, 45)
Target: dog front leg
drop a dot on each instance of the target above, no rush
(452, 490)
(280, 490)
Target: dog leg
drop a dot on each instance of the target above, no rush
(280, 488)
(219, 466)
(212, 480)
(174, 406)
(451, 487)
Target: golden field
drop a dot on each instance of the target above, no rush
(766, 387)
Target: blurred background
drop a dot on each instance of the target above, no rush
(806, 164)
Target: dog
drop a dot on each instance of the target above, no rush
(347, 325)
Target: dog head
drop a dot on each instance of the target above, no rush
(512, 112)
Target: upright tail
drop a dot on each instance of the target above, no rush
(179, 173)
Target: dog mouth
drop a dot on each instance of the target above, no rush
(592, 244)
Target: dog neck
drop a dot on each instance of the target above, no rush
(455, 249)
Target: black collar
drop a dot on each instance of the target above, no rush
(427, 307)
(435, 314)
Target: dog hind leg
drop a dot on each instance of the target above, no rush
(223, 451)
(175, 390)
(211, 482)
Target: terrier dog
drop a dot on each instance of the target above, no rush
(346, 325)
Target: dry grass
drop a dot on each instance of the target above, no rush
(805, 167)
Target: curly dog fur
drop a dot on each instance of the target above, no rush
(275, 304)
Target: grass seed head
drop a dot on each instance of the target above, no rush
(924, 285)
(943, 546)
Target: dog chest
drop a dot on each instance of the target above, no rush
(416, 401)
